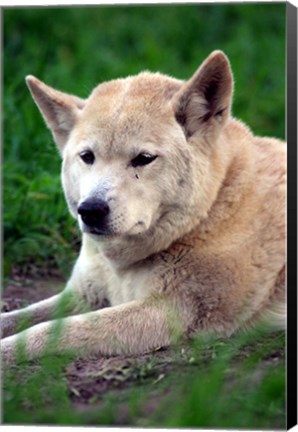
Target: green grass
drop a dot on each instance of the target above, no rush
(74, 49)
(214, 383)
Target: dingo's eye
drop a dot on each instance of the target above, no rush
(88, 157)
(143, 159)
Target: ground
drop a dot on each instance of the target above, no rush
(146, 390)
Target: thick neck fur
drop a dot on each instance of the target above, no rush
(236, 183)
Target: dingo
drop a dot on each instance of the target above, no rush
(182, 212)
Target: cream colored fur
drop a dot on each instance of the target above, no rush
(194, 240)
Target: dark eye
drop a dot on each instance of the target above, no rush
(143, 159)
(88, 157)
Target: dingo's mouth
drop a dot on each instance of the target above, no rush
(100, 232)
(136, 230)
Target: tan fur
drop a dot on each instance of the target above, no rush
(194, 241)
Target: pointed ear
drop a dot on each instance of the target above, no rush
(59, 110)
(203, 103)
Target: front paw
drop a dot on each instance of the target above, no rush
(7, 347)
(8, 324)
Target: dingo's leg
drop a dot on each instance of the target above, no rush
(133, 328)
(66, 303)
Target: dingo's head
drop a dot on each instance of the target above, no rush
(136, 153)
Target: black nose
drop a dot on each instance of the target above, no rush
(94, 213)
